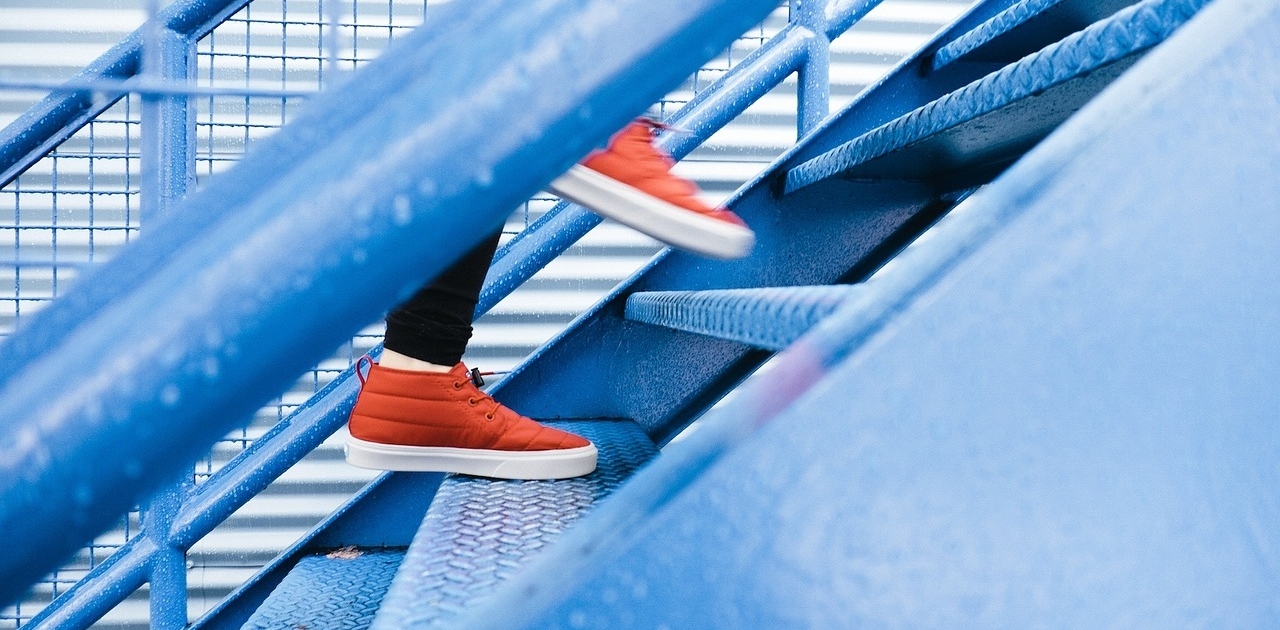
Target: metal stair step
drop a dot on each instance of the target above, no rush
(967, 134)
(339, 590)
(1024, 28)
(478, 532)
(769, 318)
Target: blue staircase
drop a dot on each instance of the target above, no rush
(1015, 308)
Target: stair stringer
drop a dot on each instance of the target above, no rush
(1058, 412)
(605, 366)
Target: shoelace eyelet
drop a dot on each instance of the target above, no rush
(457, 385)
(488, 416)
(472, 401)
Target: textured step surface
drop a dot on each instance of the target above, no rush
(994, 119)
(1025, 28)
(769, 318)
(340, 590)
(478, 532)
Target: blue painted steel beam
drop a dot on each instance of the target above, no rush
(1025, 28)
(1026, 99)
(588, 370)
(1042, 416)
(202, 322)
(61, 114)
(768, 318)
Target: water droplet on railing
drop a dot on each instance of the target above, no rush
(170, 395)
(402, 210)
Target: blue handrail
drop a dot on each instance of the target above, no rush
(351, 216)
(189, 516)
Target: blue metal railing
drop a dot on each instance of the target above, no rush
(801, 47)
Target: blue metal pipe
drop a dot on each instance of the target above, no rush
(168, 158)
(204, 508)
(89, 599)
(840, 15)
(189, 344)
(254, 468)
(144, 86)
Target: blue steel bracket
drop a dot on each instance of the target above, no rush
(988, 123)
(1025, 28)
(487, 105)
(768, 318)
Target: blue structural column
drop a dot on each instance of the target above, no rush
(190, 329)
(168, 160)
(814, 91)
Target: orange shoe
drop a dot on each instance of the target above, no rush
(441, 422)
(631, 182)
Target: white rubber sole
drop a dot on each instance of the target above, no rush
(557, 464)
(641, 211)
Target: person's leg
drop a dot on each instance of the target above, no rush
(434, 326)
(419, 410)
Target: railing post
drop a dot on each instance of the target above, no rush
(168, 131)
(167, 158)
(814, 91)
(168, 574)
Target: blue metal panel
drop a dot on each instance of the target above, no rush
(493, 108)
(770, 318)
(984, 123)
(339, 590)
(1058, 412)
(1025, 28)
(479, 532)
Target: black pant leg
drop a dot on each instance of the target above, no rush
(435, 324)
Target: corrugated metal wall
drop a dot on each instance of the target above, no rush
(74, 208)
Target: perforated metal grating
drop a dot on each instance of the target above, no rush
(340, 590)
(478, 532)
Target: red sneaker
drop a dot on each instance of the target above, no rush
(631, 182)
(441, 422)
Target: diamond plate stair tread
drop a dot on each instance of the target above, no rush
(769, 318)
(1080, 57)
(336, 591)
(478, 532)
(1024, 28)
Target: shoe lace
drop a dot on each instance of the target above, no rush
(476, 379)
